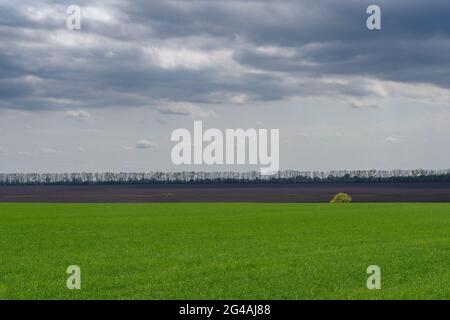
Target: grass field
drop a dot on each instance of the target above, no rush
(224, 251)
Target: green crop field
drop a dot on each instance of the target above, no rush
(224, 251)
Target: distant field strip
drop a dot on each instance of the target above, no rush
(246, 192)
(224, 250)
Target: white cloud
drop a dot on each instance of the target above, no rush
(49, 151)
(239, 99)
(362, 105)
(392, 140)
(100, 14)
(79, 115)
(42, 13)
(276, 51)
(421, 92)
(186, 109)
(145, 144)
(184, 58)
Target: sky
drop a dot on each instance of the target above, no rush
(108, 96)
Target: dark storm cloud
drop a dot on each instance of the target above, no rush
(132, 54)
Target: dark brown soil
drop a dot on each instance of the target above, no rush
(361, 192)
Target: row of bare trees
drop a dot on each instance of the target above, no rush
(288, 176)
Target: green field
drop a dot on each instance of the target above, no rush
(224, 251)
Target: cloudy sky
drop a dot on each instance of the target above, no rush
(108, 96)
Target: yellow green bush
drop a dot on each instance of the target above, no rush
(341, 198)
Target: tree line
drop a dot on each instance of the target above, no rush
(282, 177)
